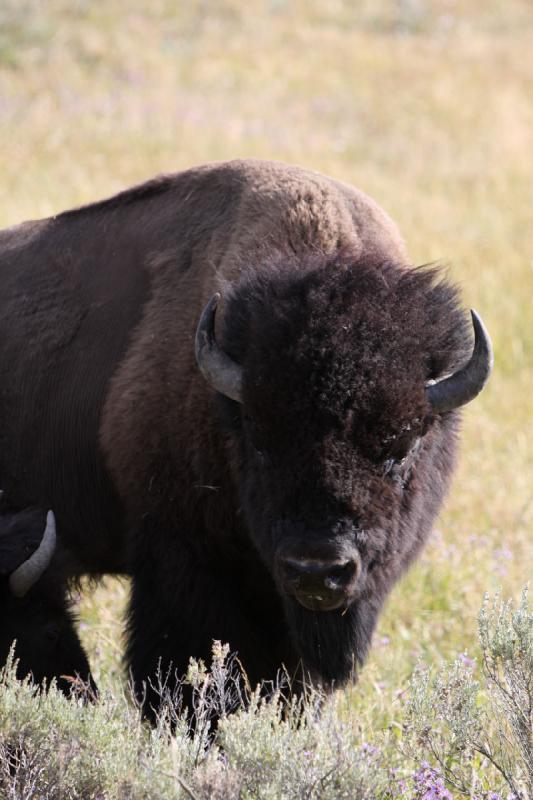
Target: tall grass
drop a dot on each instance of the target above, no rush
(427, 106)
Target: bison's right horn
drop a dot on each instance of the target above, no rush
(24, 577)
(224, 374)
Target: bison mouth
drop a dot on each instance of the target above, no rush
(320, 602)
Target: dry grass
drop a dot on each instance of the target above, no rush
(427, 106)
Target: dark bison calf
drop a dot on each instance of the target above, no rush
(269, 491)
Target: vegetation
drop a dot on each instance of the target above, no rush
(425, 105)
(51, 747)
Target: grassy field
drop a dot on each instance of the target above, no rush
(427, 105)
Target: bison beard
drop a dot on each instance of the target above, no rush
(331, 646)
(267, 490)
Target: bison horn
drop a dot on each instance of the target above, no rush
(24, 577)
(224, 374)
(465, 384)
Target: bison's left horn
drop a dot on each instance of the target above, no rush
(24, 577)
(465, 384)
(224, 374)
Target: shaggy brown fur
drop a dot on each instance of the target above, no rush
(105, 417)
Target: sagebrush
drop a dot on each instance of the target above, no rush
(466, 731)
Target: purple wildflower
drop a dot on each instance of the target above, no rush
(467, 661)
(429, 784)
(369, 750)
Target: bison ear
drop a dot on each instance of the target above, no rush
(460, 388)
(219, 370)
(29, 572)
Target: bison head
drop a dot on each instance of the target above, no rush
(34, 611)
(340, 384)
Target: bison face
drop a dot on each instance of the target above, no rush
(34, 611)
(325, 494)
(46, 644)
(345, 435)
(338, 504)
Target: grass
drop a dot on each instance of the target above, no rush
(425, 105)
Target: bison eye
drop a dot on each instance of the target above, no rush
(397, 471)
(397, 446)
(400, 446)
(391, 465)
(398, 466)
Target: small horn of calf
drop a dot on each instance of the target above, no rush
(460, 388)
(219, 370)
(25, 576)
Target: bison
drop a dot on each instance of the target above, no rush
(231, 385)
(47, 645)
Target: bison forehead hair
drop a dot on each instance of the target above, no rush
(343, 343)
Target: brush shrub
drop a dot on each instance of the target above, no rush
(466, 730)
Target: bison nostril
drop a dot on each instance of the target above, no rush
(340, 576)
(342, 572)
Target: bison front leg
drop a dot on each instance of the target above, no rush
(178, 609)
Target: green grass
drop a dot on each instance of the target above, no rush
(426, 105)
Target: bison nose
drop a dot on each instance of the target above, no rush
(319, 585)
